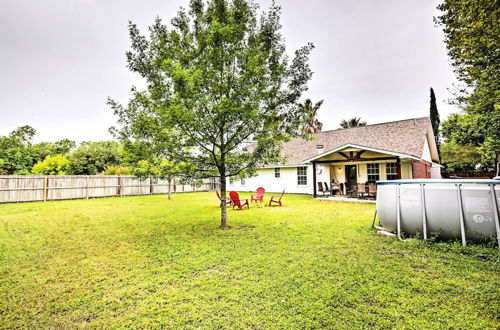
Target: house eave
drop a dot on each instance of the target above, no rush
(282, 166)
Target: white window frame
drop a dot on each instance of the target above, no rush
(372, 169)
(277, 173)
(302, 176)
(391, 166)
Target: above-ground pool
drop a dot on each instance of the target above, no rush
(452, 209)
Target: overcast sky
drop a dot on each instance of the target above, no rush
(60, 59)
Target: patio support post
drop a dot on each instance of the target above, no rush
(314, 180)
(398, 168)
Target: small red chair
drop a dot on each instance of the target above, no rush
(228, 200)
(276, 199)
(259, 197)
(235, 199)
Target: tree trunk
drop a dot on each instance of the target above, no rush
(223, 204)
(169, 189)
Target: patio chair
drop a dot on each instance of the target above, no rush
(259, 197)
(327, 190)
(228, 199)
(372, 190)
(276, 199)
(362, 193)
(321, 189)
(235, 199)
(343, 188)
(351, 190)
(335, 188)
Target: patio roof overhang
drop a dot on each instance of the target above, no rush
(391, 154)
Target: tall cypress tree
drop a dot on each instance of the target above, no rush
(435, 121)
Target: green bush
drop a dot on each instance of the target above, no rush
(52, 165)
(116, 170)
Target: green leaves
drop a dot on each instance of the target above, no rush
(95, 157)
(52, 165)
(352, 122)
(217, 78)
(459, 158)
(472, 35)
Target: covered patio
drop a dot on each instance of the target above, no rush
(351, 171)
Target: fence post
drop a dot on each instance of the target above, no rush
(45, 188)
(119, 186)
(150, 186)
(87, 188)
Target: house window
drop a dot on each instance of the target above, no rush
(302, 176)
(392, 171)
(373, 173)
(277, 172)
(242, 181)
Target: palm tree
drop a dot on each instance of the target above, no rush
(353, 122)
(314, 125)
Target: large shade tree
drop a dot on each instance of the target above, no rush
(472, 35)
(15, 155)
(91, 158)
(221, 90)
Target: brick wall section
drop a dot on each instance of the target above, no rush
(421, 169)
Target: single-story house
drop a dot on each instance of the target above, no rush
(404, 149)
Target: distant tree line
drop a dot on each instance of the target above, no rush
(20, 156)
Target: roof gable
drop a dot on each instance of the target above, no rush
(347, 146)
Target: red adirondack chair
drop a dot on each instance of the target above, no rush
(228, 200)
(276, 199)
(259, 197)
(235, 199)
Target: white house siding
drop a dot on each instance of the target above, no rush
(363, 172)
(337, 173)
(435, 171)
(324, 176)
(426, 153)
(287, 181)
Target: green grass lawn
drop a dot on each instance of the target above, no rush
(147, 261)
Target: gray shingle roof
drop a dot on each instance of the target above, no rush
(403, 136)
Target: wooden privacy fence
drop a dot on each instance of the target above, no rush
(14, 188)
(470, 175)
